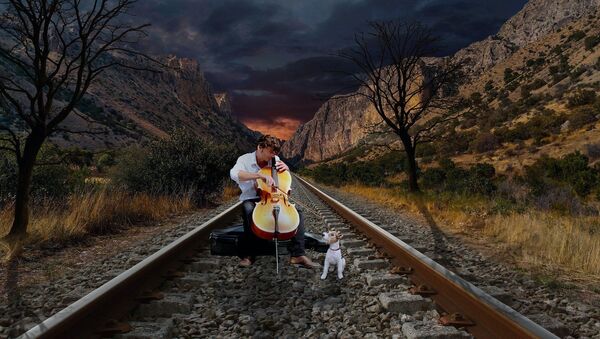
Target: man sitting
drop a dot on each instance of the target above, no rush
(244, 173)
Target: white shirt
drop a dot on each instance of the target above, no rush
(246, 162)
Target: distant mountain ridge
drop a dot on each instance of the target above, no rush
(313, 142)
(150, 104)
(134, 106)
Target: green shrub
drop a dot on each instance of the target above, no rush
(490, 91)
(576, 36)
(8, 177)
(581, 97)
(479, 179)
(433, 179)
(485, 142)
(538, 127)
(183, 163)
(330, 174)
(105, 160)
(572, 170)
(509, 75)
(53, 177)
(365, 173)
(591, 41)
(582, 116)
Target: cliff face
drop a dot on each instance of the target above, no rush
(537, 19)
(327, 134)
(540, 17)
(224, 103)
(482, 55)
(136, 105)
(338, 123)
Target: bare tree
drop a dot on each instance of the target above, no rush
(52, 51)
(411, 92)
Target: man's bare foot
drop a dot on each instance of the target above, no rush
(303, 260)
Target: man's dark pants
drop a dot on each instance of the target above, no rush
(247, 243)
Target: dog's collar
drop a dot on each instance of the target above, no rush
(336, 249)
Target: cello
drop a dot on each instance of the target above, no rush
(274, 217)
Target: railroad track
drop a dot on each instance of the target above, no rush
(389, 289)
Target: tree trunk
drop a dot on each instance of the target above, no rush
(409, 148)
(21, 216)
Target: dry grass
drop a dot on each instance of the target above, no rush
(95, 212)
(543, 241)
(550, 240)
(230, 190)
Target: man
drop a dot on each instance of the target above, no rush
(245, 173)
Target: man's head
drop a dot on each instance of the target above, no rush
(267, 147)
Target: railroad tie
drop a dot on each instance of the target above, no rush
(160, 329)
(171, 303)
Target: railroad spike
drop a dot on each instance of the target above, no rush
(455, 319)
(402, 270)
(422, 290)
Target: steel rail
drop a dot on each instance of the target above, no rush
(117, 297)
(491, 318)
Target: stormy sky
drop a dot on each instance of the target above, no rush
(275, 57)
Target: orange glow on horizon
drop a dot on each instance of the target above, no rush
(283, 128)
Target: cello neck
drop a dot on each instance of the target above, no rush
(274, 171)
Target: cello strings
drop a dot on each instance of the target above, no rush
(299, 203)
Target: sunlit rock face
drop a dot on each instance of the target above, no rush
(540, 17)
(338, 125)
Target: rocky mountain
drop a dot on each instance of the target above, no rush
(131, 106)
(540, 17)
(547, 39)
(224, 103)
(338, 123)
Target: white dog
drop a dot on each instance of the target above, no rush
(334, 254)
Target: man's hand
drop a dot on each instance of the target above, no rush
(268, 180)
(281, 167)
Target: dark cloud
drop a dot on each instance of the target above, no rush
(274, 57)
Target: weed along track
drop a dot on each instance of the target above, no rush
(389, 289)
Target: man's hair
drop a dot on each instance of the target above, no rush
(269, 141)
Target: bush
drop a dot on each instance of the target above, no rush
(370, 173)
(572, 170)
(576, 36)
(183, 163)
(593, 151)
(485, 142)
(558, 198)
(538, 127)
(51, 178)
(591, 42)
(105, 161)
(581, 117)
(365, 173)
(581, 97)
(479, 179)
(8, 177)
(509, 75)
